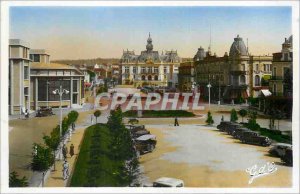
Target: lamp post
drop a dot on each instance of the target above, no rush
(209, 86)
(60, 92)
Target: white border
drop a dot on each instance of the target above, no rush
(4, 97)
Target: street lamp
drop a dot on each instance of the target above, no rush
(60, 92)
(209, 86)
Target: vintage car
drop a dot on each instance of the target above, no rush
(145, 143)
(135, 128)
(223, 125)
(229, 129)
(252, 137)
(133, 121)
(168, 182)
(279, 149)
(239, 131)
(287, 158)
(44, 112)
(140, 133)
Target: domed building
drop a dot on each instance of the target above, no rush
(150, 67)
(233, 77)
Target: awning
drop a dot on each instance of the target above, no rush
(266, 92)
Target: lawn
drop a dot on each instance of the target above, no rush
(159, 113)
(95, 166)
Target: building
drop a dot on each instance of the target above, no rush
(282, 69)
(45, 77)
(19, 77)
(39, 56)
(233, 77)
(150, 67)
(186, 76)
(86, 74)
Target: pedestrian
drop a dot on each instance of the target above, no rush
(65, 170)
(73, 126)
(65, 151)
(92, 116)
(26, 114)
(176, 122)
(71, 150)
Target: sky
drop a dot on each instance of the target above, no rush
(92, 32)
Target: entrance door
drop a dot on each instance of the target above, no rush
(75, 99)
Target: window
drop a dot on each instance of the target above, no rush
(75, 86)
(256, 67)
(143, 70)
(257, 80)
(26, 72)
(165, 70)
(155, 69)
(286, 56)
(35, 58)
(52, 85)
(143, 77)
(274, 71)
(243, 79)
(265, 67)
(126, 69)
(26, 91)
(134, 70)
(149, 77)
(243, 67)
(155, 77)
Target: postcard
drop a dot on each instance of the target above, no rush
(140, 96)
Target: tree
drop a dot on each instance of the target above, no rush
(97, 114)
(15, 181)
(252, 121)
(209, 119)
(233, 116)
(243, 113)
(279, 115)
(43, 158)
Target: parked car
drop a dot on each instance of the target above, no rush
(229, 129)
(44, 112)
(288, 156)
(134, 128)
(168, 182)
(279, 149)
(140, 133)
(239, 131)
(252, 137)
(223, 125)
(145, 143)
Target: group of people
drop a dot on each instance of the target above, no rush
(65, 170)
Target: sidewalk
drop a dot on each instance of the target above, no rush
(56, 177)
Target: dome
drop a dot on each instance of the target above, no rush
(238, 47)
(149, 45)
(200, 54)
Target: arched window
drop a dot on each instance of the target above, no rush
(143, 77)
(243, 79)
(257, 80)
(149, 77)
(156, 77)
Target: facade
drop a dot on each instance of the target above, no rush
(86, 74)
(233, 77)
(150, 67)
(19, 77)
(186, 76)
(47, 77)
(282, 69)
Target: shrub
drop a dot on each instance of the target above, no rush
(72, 116)
(233, 116)
(15, 181)
(209, 119)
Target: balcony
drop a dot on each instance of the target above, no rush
(276, 78)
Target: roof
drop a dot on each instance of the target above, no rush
(146, 137)
(38, 51)
(238, 47)
(18, 42)
(50, 66)
(169, 181)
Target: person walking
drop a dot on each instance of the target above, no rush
(65, 151)
(71, 150)
(176, 122)
(65, 170)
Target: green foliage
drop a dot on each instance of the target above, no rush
(233, 115)
(72, 116)
(209, 119)
(102, 89)
(97, 114)
(160, 113)
(115, 120)
(252, 121)
(243, 113)
(15, 181)
(43, 159)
